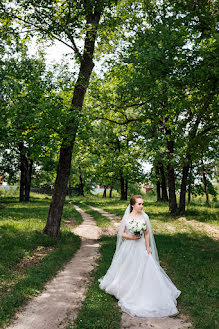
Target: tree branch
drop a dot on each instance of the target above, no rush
(39, 28)
(118, 123)
(136, 104)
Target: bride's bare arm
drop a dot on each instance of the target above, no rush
(147, 240)
(130, 236)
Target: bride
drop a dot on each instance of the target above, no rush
(135, 277)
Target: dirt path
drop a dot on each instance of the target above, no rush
(63, 295)
(106, 214)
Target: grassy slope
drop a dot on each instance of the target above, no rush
(22, 274)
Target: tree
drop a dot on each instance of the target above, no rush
(164, 63)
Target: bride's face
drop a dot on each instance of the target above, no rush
(138, 206)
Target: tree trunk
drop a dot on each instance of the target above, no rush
(55, 211)
(81, 182)
(104, 192)
(63, 171)
(189, 193)
(122, 188)
(189, 185)
(163, 184)
(205, 184)
(158, 183)
(28, 176)
(182, 202)
(171, 179)
(111, 190)
(22, 173)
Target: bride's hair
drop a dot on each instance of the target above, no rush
(133, 200)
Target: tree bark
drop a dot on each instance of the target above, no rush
(55, 211)
(28, 176)
(182, 202)
(104, 192)
(26, 167)
(164, 197)
(63, 172)
(111, 190)
(122, 188)
(205, 184)
(81, 182)
(158, 183)
(171, 179)
(22, 172)
(189, 185)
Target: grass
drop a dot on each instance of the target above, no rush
(28, 258)
(99, 310)
(186, 252)
(190, 261)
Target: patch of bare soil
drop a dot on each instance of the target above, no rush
(211, 230)
(3, 205)
(70, 222)
(34, 259)
(180, 322)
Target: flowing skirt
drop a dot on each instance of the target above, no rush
(142, 287)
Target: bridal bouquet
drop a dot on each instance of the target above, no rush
(136, 227)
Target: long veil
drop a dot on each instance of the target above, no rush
(121, 230)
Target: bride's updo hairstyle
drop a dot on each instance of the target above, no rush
(133, 200)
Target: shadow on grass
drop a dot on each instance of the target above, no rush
(201, 215)
(24, 212)
(15, 243)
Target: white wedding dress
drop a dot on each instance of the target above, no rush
(142, 287)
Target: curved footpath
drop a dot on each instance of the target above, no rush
(62, 296)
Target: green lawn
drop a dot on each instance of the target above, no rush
(28, 258)
(187, 252)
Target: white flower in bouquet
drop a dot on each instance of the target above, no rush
(136, 227)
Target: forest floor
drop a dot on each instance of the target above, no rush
(63, 296)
